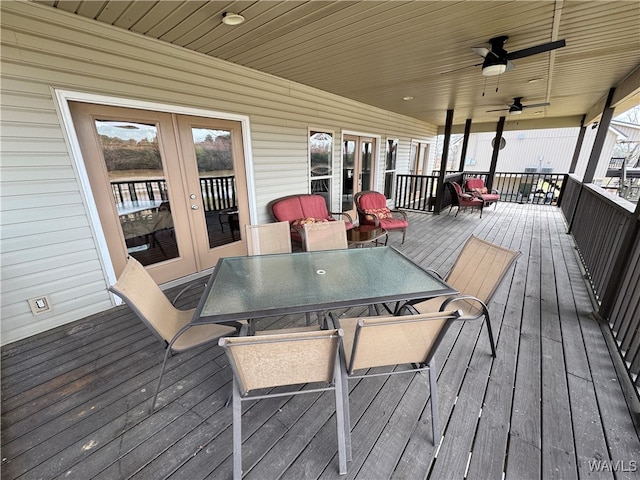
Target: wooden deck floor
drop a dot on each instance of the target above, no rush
(552, 405)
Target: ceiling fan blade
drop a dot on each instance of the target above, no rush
(482, 51)
(534, 105)
(545, 47)
(498, 110)
(461, 68)
(510, 66)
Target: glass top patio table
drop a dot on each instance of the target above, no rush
(269, 285)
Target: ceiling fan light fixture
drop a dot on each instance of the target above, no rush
(229, 18)
(515, 112)
(493, 66)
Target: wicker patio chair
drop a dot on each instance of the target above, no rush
(169, 324)
(263, 362)
(372, 210)
(325, 236)
(463, 200)
(268, 238)
(477, 272)
(389, 341)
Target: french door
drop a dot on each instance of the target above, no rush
(170, 189)
(358, 159)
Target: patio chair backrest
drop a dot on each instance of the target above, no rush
(480, 268)
(282, 359)
(370, 200)
(268, 238)
(325, 236)
(393, 340)
(136, 287)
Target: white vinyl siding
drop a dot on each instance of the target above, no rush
(49, 244)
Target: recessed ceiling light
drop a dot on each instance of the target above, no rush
(406, 99)
(229, 18)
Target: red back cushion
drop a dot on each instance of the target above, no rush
(288, 209)
(476, 185)
(372, 201)
(314, 206)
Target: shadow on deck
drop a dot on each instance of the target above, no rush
(552, 404)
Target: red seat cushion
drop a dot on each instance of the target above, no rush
(393, 223)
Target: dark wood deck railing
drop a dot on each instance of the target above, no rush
(418, 192)
(605, 229)
(218, 193)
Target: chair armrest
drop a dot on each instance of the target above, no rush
(343, 214)
(436, 273)
(469, 298)
(185, 290)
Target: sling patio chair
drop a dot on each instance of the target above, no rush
(325, 236)
(280, 360)
(169, 325)
(479, 269)
(268, 238)
(385, 341)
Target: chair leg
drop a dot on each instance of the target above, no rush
(237, 433)
(347, 413)
(433, 387)
(341, 428)
(155, 395)
(490, 331)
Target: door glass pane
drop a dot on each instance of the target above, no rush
(138, 183)
(367, 152)
(214, 155)
(348, 163)
(320, 164)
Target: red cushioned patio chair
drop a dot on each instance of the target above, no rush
(477, 188)
(372, 210)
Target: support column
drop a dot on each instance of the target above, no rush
(578, 149)
(494, 156)
(443, 163)
(601, 136)
(603, 127)
(465, 144)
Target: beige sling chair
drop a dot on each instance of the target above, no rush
(268, 238)
(169, 324)
(388, 341)
(325, 236)
(263, 362)
(477, 272)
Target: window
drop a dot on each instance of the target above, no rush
(390, 167)
(321, 163)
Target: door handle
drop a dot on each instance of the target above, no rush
(194, 207)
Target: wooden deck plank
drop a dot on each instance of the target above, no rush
(549, 406)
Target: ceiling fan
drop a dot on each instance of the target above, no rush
(516, 107)
(497, 60)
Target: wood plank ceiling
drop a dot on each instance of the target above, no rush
(379, 52)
